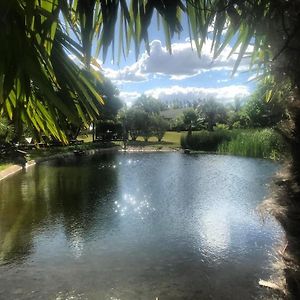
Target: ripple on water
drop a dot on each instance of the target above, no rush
(136, 226)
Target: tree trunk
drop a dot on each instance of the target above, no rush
(285, 206)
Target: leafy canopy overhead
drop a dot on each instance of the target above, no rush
(40, 84)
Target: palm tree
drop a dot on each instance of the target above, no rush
(42, 86)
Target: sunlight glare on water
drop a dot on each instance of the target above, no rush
(137, 226)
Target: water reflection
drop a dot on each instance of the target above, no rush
(134, 205)
(131, 226)
(53, 193)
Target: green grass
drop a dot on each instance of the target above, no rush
(261, 143)
(170, 140)
(172, 137)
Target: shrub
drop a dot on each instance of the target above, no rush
(205, 140)
(263, 143)
(260, 143)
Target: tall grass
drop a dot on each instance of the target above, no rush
(260, 143)
(263, 143)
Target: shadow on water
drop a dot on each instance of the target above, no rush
(136, 226)
(52, 193)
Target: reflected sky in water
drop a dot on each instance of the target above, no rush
(136, 226)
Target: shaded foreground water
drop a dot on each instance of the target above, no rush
(136, 226)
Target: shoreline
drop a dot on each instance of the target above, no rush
(16, 168)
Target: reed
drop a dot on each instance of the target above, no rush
(260, 143)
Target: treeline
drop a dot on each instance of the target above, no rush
(255, 112)
(253, 129)
(144, 119)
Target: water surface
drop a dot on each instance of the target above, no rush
(136, 226)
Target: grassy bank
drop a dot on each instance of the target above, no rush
(171, 140)
(45, 152)
(4, 165)
(260, 143)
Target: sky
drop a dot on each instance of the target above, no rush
(182, 75)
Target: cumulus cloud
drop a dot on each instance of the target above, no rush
(224, 94)
(183, 63)
(130, 73)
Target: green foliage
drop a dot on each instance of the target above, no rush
(159, 126)
(190, 119)
(260, 143)
(42, 86)
(205, 140)
(144, 119)
(149, 104)
(258, 112)
(112, 102)
(212, 112)
(137, 123)
(6, 130)
(265, 143)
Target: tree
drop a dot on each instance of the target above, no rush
(190, 119)
(259, 112)
(149, 104)
(212, 112)
(6, 131)
(112, 102)
(159, 126)
(138, 122)
(35, 59)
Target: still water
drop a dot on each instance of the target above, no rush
(136, 226)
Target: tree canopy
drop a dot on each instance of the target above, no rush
(40, 83)
(42, 86)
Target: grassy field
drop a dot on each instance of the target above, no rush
(171, 139)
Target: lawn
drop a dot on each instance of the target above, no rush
(171, 139)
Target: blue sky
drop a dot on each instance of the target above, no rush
(181, 75)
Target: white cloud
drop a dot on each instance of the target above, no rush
(129, 97)
(130, 73)
(224, 94)
(183, 63)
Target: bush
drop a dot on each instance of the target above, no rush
(205, 140)
(260, 143)
(6, 130)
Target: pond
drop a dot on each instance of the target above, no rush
(137, 226)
